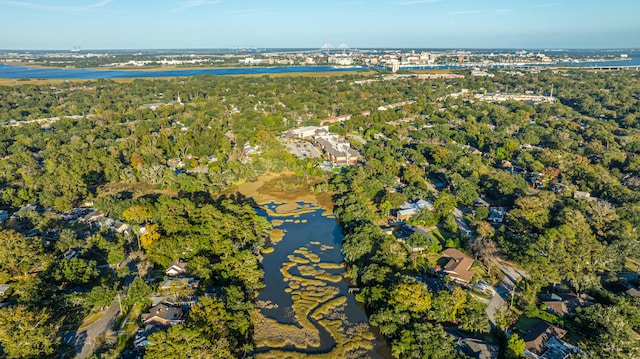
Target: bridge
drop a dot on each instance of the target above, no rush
(612, 68)
(327, 48)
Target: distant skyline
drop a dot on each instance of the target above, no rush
(167, 24)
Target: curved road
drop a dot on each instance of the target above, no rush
(82, 339)
(502, 291)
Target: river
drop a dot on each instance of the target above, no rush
(305, 307)
(19, 72)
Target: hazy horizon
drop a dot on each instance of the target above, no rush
(602, 49)
(224, 24)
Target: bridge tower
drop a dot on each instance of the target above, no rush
(327, 46)
(344, 48)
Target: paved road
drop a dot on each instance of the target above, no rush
(82, 339)
(503, 291)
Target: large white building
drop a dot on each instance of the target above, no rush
(307, 131)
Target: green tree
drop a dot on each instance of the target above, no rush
(138, 291)
(608, 331)
(100, 296)
(68, 239)
(515, 347)
(473, 317)
(424, 341)
(76, 270)
(19, 254)
(27, 334)
(414, 298)
(180, 342)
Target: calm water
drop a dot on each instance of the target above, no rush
(325, 233)
(19, 72)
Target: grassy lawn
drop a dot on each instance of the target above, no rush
(525, 323)
(432, 260)
(437, 235)
(478, 270)
(443, 236)
(125, 337)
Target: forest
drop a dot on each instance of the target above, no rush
(566, 174)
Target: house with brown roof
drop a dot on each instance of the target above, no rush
(165, 315)
(458, 265)
(634, 292)
(566, 304)
(478, 349)
(537, 339)
(177, 268)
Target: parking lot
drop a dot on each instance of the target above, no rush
(303, 150)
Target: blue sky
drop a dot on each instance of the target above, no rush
(134, 24)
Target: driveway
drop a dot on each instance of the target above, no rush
(462, 224)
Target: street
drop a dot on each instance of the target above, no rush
(502, 291)
(82, 339)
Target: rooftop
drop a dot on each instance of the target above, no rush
(537, 338)
(458, 265)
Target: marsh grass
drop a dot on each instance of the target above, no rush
(316, 302)
(276, 235)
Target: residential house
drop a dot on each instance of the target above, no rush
(174, 282)
(177, 268)
(633, 292)
(477, 349)
(165, 315)
(140, 341)
(92, 217)
(336, 119)
(536, 340)
(4, 289)
(458, 265)
(153, 106)
(406, 211)
(566, 304)
(70, 253)
(403, 232)
(496, 215)
(479, 202)
(175, 163)
(121, 227)
(582, 195)
(410, 209)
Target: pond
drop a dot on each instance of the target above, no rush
(305, 308)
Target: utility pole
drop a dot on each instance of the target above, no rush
(513, 293)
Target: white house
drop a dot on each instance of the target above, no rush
(177, 268)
